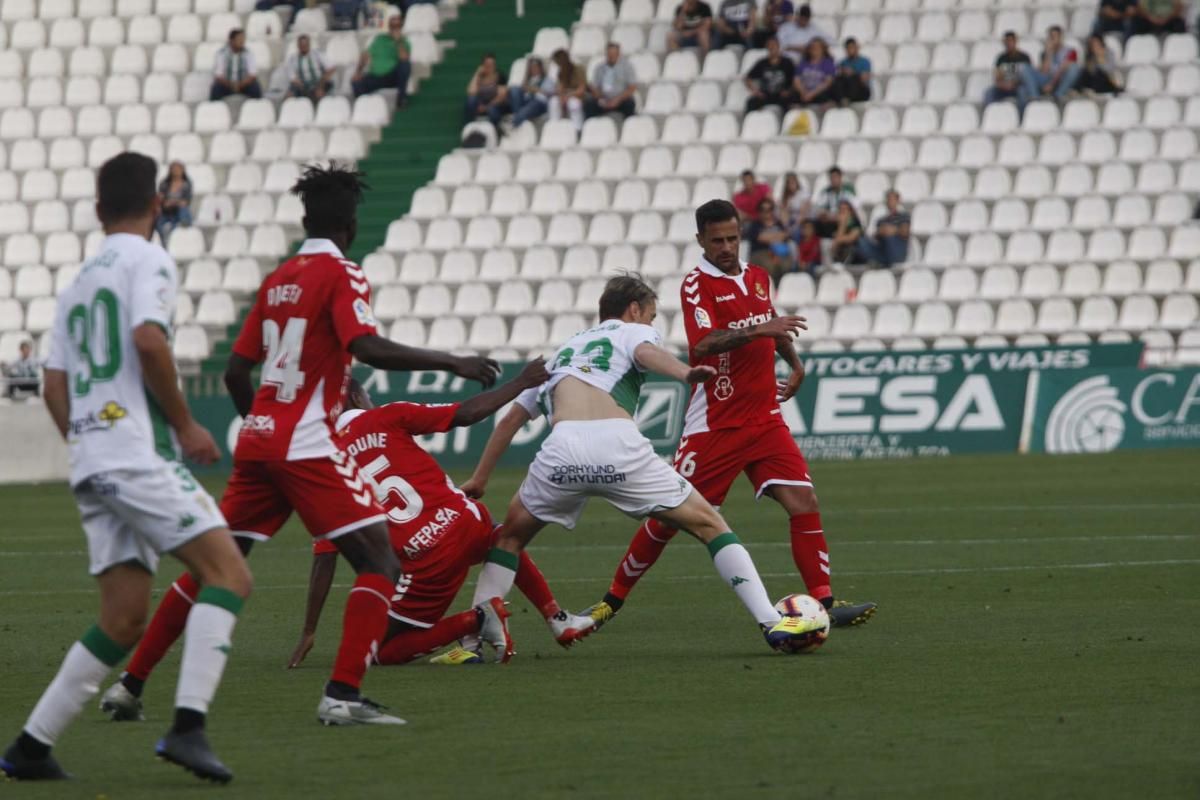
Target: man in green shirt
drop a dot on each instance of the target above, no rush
(386, 64)
(1159, 16)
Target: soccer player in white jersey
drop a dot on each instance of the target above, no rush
(595, 450)
(112, 390)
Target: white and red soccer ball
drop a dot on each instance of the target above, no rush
(814, 615)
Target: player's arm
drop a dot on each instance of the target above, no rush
(158, 373)
(653, 358)
(725, 340)
(381, 353)
(502, 436)
(239, 382)
(320, 579)
(787, 351)
(485, 404)
(56, 396)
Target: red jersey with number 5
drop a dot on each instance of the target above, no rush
(305, 316)
(743, 393)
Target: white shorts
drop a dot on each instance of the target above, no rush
(607, 458)
(135, 515)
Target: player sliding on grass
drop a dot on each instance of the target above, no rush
(112, 390)
(437, 532)
(734, 423)
(311, 316)
(595, 450)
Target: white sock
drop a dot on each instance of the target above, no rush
(737, 569)
(206, 643)
(497, 576)
(77, 682)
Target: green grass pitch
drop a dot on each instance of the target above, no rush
(1037, 637)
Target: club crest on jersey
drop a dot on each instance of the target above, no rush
(702, 318)
(362, 311)
(761, 291)
(724, 388)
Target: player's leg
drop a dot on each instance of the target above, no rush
(567, 628)
(500, 567)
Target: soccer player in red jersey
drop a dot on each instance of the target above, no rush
(734, 423)
(311, 316)
(438, 533)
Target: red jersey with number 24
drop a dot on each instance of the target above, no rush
(300, 328)
(743, 393)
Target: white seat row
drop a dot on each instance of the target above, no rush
(149, 29)
(986, 248)
(12, 10)
(1010, 215)
(265, 241)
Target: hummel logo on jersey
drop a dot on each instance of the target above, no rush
(738, 580)
(725, 298)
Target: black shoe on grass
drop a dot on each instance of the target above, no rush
(844, 613)
(191, 751)
(19, 767)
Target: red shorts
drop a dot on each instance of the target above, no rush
(329, 494)
(766, 453)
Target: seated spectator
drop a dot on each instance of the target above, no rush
(234, 70)
(308, 73)
(808, 248)
(795, 35)
(386, 63)
(828, 201)
(845, 242)
(774, 14)
(613, 86)
(1006, 80)
(1158, 17)
(770, 80)
(23, 374)
(815, 76)
(734, 23)
(692, 27)
(530, 99)
(796, 202)
(751, 194)
(487, 92)
(1099, 73)
(1056, 72)
(769, 244)
(853, 81)
(890, 245)
(567, 100)
(1115, 16)
(175, 195)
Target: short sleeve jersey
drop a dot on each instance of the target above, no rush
(694, 18)
(114, 422)
(743, 393)
(773, 79)
(421, 501)
(307, 313)
(602, 357)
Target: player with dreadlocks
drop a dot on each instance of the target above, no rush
(311, 316)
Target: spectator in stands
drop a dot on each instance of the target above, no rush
(1006, 80)
(1056, 72)
(568, 92)
(309, 75)
(828, 201)
(890, 245)
(1099, 73)
(845, 242)
(1115, 16)
(735, 23)
(770, 80)
(613, 86)
(23, 373)
(1159, 17)
(808, 248)
(530, 99)
(795, 35)
(487, 92)
(386, 63)
(692, 27)
(796, 201)
(770, 246)
(234, 70)
(853, 81)
(815, 76)
(751, 194)
(774, 14)
(175, 196)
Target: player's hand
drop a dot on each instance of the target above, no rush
(302, 648)
(198, 444)
(783, 327)
(473, 488)
(534, 373)
(785, 390)
(478, 368)
(700, 374)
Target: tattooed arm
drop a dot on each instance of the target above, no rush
(779, 328)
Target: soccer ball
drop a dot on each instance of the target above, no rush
(810, 610)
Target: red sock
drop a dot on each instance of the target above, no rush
(811, 553)
(364, 625)
(419, 641)
(647, 545)
(165, 627)
(532, 584)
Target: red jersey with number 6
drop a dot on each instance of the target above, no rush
(307, 313)
(743, 393)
